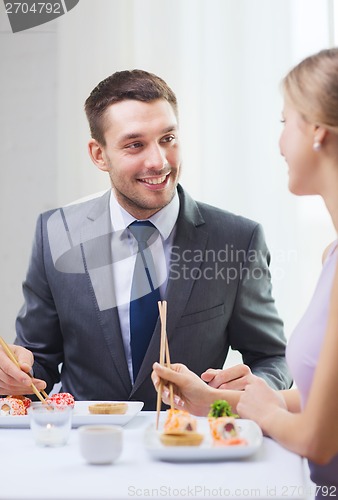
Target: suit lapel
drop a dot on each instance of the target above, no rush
(96, 244)
(192, 236)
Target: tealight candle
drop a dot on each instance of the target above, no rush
(50, 424)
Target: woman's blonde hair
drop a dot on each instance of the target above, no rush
(312, 88)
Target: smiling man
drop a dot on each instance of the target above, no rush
(141, 153)
(99, 267)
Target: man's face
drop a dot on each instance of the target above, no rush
(141, 155)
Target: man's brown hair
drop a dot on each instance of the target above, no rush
(136, 84)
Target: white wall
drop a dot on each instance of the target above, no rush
(223, 58)
(28, 172)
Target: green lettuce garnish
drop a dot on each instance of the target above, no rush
(221, 408)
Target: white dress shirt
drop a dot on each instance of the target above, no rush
(165, 222)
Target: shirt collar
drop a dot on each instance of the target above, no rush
(164, 220)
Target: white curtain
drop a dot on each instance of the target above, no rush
(224, 59)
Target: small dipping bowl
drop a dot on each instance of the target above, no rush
(100, 444)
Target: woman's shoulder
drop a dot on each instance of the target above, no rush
(329, 250)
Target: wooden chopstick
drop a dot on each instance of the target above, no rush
(161, 361)
(164, 359)
(15, 361)
(44, 393)
(167, 354)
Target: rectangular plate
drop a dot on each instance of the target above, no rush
(81, 415)
(249, 430)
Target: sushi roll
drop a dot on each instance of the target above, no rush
(223, 427)
(26, 401)
(62, 399)
(180, 429)
(11, 406)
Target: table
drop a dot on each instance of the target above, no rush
(29, 472)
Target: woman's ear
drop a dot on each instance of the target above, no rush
(96, 152)
(319, 134)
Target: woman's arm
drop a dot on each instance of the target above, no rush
(292, 400)
(312, 433)
(191, 393)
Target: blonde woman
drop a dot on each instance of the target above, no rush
(304, 420)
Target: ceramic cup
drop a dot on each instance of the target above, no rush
(50, 424)
(100, 444)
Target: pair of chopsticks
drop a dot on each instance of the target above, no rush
(43, 395)
(164, 359)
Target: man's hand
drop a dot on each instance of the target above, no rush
(234, 378)
(12, 379)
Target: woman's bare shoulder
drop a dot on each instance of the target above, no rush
(327, 250)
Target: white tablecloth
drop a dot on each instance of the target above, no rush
(30, 472)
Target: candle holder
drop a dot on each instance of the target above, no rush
(50, 424)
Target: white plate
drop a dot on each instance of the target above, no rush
(81, 415)
(249, 430)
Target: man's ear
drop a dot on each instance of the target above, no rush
(96, 152)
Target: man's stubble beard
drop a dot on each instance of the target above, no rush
(138, 204)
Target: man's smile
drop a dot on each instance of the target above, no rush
(156, 181)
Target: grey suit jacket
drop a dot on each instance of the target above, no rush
(218, 293)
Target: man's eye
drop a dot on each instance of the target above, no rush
(168, 138)
(134, 145)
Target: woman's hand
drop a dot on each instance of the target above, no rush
(191, 393)
(258, 402)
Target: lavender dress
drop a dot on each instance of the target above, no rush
(302, 355)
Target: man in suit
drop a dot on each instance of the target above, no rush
(210, 265)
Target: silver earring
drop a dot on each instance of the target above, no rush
(316, 146)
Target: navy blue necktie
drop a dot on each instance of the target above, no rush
(144, 295)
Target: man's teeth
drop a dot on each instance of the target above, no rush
(158, 180)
